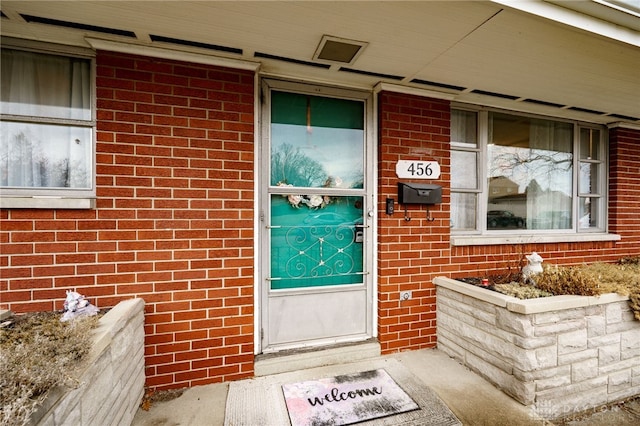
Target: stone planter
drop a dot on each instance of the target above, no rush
(560, 354)
(112, 384)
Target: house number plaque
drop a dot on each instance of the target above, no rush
(408, 169)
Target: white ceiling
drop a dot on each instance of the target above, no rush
(471, 47)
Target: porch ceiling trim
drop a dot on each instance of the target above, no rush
(408, 90)
(575, 19)
(178, 55)
(624, 125)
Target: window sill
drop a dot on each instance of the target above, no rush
(487, 240)
(47, 203)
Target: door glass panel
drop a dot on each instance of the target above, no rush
(316, 141)
(316, 246)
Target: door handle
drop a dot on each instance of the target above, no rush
(358, 234)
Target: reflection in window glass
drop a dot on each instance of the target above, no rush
(316, 141)
(588, 182)
(530, 173)
(45, 156)
(588, 213)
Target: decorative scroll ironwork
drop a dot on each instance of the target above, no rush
(320, 251)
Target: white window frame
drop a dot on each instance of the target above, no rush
(601, 192)
(483, 236)
(479, 189)
(55, 198)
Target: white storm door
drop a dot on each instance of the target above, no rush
(316, 217)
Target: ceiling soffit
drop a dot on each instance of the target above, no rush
(477, 52)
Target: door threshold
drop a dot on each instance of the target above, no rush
(310, 357)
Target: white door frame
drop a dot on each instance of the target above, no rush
(262, 177)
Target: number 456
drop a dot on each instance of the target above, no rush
(420, 169)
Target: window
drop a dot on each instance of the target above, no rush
(47, 125)
(464, 178)
(523, 174)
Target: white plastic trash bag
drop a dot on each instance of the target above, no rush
(75, 305)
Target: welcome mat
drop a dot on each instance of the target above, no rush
(346, 399)
(260, 401)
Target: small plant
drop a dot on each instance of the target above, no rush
(567, 280)
(37, 353)
(593, 279)
(521, 291)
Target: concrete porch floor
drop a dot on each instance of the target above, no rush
(471, 398)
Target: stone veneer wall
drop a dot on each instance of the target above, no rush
(112, 385)
(565, 353)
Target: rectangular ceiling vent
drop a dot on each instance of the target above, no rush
(77, 26)
(181, 42)
(338, 50)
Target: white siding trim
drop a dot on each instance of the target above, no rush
(156, 52)
(47, 202)
(408, 90)
(487, 240)
(574, 19)
(624, 125)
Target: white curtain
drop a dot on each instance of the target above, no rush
(36, 155)
(549, 192)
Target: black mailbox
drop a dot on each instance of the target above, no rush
(419, 193)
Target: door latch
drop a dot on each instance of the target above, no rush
(358, 236)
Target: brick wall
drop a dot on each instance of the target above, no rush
(173, 223)
(411, 253)
(624, 187)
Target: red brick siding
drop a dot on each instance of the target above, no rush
(624, 187)
(410, 253)
(173, 223)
